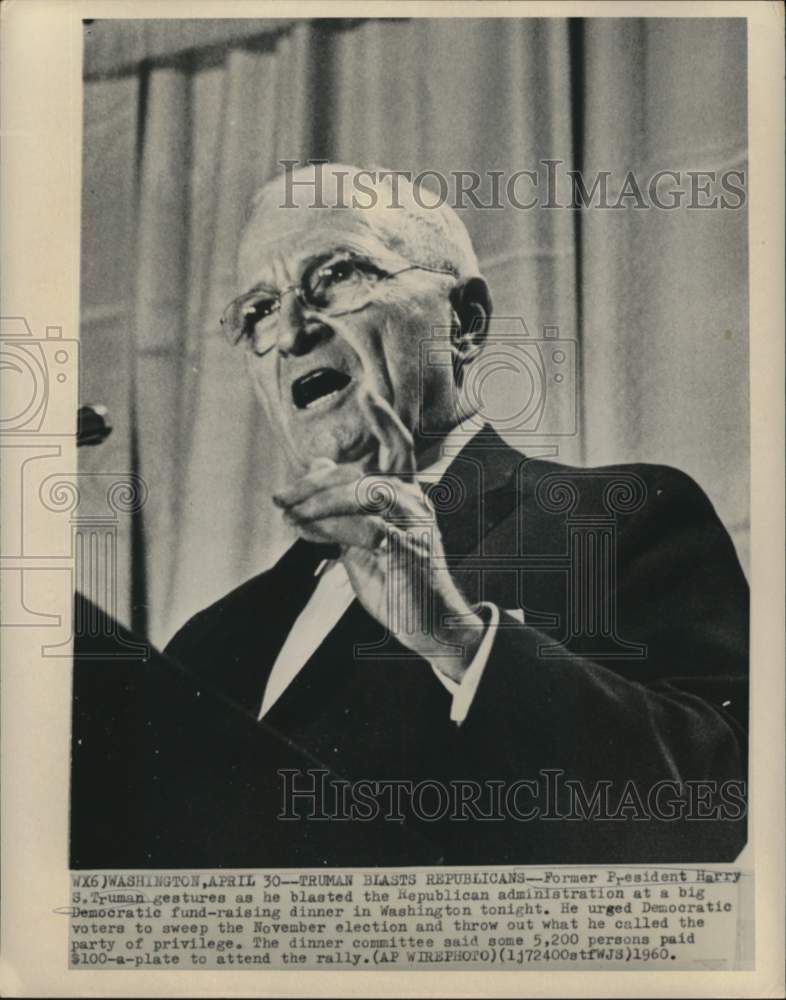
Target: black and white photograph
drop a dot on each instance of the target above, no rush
(426, 344)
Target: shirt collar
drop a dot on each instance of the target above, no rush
(457, 439)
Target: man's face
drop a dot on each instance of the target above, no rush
(311, 377)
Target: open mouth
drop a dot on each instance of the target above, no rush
(318, 386)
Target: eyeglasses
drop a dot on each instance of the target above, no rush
(343, 284)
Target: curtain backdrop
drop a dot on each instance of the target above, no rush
(182, 123)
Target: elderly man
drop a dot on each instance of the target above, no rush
(562, 651)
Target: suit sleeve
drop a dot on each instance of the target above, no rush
(678, 714)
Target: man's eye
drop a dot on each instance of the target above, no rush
(256, 311)
(336, 272)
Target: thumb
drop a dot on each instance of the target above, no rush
(396, 445)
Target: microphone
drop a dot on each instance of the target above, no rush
(92, 425)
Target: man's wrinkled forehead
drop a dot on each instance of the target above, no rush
(286, 236)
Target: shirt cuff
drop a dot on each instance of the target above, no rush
(463, 691)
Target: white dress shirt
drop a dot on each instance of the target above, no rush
(333, 596)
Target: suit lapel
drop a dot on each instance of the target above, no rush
(476, 494)
(252, 624)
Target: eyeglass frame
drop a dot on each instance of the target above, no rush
(300, 291)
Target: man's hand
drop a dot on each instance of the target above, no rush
(390, 544)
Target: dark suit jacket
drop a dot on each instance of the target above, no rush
(630, 671)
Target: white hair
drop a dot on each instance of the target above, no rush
(387, 202)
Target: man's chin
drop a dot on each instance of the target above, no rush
(341, 444)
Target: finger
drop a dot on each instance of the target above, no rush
(332, 501)
(396, 446)
(319, 477)
(363, 532)
(388, 497)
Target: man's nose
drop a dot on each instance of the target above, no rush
(299, 329)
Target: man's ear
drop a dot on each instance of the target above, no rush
(471, 301)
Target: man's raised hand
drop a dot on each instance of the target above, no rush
(390, 543)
